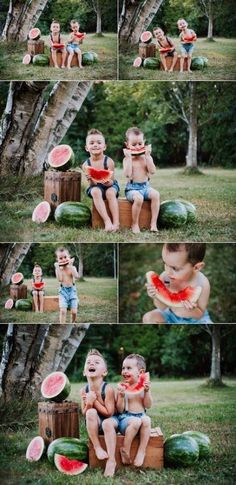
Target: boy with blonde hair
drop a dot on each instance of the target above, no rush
(73, 44)
(56, 39)
(187, 39)
(66, 274)
(166, 48)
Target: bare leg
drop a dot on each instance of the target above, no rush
(114, 208)
(54, 58)
(163, 60)
(79, 55)
(35, 298)
(154, 196)
(189, 60)
(101, 208)
(63, 61)
(73, 315)
(145, 431)
(130, 433)
(70, 57)
(109, 428)
(182, 63)
(154, 316)
(63, 312)
(92, 428)
(41, 298)
(136, 209)
(174, 60)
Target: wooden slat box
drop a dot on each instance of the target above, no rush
(74, 61)
(154, 453)
(61, 187)
(35, 47)
(50, 304)
(125, 215)
(18, 291)
(147, 50)
(177, 65)
(58, 420)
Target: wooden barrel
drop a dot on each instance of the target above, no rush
(147, 50)
(61, 187)
(35, 47)
(57, 420)
(18, 291)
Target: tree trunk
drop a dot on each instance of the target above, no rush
(99, 19)
(135, 18)
(191, 158)
(210, 26)
(12, 256)
(114, 262)
(22, 16)
(215, 375)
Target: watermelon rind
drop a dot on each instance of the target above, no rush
(34, 34)
(137, 388)
(95, 56)
(198, 64)
(17, 278)
(166, 299)
(151, 63)
(87, 58)
(26, 59)
(66, 159)
(41, 60)
(203, 441)
(23, 305)
(63, 389)
(74, 214)
(138, 62)
(172, 214)
(40, 219)
(180, 450)
(72, 448)
(35, 449)
(191, 210)
(9, 304)
(146, 37)
(67, 466)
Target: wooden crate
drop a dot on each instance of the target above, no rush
(177, 65)
(57, 420)
(147, 50)
(18, 291)
(50, 304)
(125, 215)
(154, 452)
(61, 187)
(74, 61)
(35, 47)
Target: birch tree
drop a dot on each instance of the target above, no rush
(217, 333)
(11, 257)
(21, 17)
(211, 9)
(135, 17)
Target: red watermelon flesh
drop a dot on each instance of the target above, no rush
(165, 49)
(38, 285)
(41, 212)
(17, 278)
(138, 387)
(146, 36)
(34, 34)
(56, 386)
(27, 59)
(80, 35)
(138, 62)
(35, 449)
(67, 466)
(170, 298)
(61, 157)
(190, 38)
(9, 304)
(137, 151)
(58, 46)
(97, 175)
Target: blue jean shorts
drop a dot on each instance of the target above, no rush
(122, 420)
(73, 48)
(142, 188)
(103, 189)
(171, 317)
(68, 297)
(187, 48)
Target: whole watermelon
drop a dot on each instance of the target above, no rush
(24, 305)
(172, 214)
(95, 56)
(151, 63)
(198, 63)
(88, 58)
(180, 450)
(75, 214)
(69, 447)
(191, 210)
(203, 441)
(40, 60)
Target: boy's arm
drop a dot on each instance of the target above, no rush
(120, 401)
(87, 176)
(153, 293)
(87, 400)
(108, 408)
(111, 166)
(147, 400)
(149, 160)
(196, 310)
(127, 163)
(59, 273)
(74, 272)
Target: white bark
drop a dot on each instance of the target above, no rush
(11, 258)
(22, 16)
(191, 158)
(135, 18)
(215, 375)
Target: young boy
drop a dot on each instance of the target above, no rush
(131, 417)
(183, 264)
(97, 399)
(138, 166)
(37, 293)
(96, 146)
(187, 37)
(66, 274)
(73, 44)
(55, 38)
(164, 43)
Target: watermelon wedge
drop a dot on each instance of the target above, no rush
(79, 35)
(137, 151)
(61, 157)
(17, 278)
(170, 298)
(65, 262)
(27, 59)
(190, 38)
(35, 449)
(138, 387)
(34, 34)
(99, 176)
(58, 46)
(67, 466)
(56, 387)
(146, 37)
(9, 304)
(138, 62)
(41, 212)
(38, 285)
(163, 50)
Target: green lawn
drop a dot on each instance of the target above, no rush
(98, 303)
(11, 66)
(179, 405)
(221, 66)
(213, 193)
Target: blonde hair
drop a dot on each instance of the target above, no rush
(141, 364)
(96, 352)
(61, 249)
(94, 131)
(133, 130)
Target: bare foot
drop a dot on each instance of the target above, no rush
(57, 67)
(100, 453)
(81, 67)
(171, 69)
(189, 70)
(153, 228)
(116, 227)
(139, 459)
(108, 226)
(110, 468)
(135, 228)
(125, 458)
(68, 67)
(63, 67)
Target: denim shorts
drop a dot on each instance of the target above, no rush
(73, 48)
(143, 188)
(187, 48)
(171, 317)
(103, 189)
(122, 420)
(68, 297)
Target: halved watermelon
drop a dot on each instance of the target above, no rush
(27, 59)
(146, 37)
(138, 62)
(137, 151)
(17, 278)
(67, 466)
(35, 449)
(61, 157)
(38, 285)
(138, 387)
(101, 176)
(34, 34)
(9, 304)
(73, 448)
(41, 212)
(58, 46)
(171, 298)
(56, 387)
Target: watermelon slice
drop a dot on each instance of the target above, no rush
(79, 35)
(27, 59)
(146, 37)
(17, 278)
(38, 285)
(56, 387)
(163, 50)
(9, 304)
(41, 212)
(138, 387)
(61, 157)
(100, 176)
(138, 62)
(137, 151)
(58, 46)
(65, 262)
(35, 449)
(170, 298)
(190, 38)
(67, 466)
(34, 34)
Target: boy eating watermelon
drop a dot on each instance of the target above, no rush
(56, 43)
(38, 288)
(182, 291)
(73, 43)
(166, 48)
(187, 39)
(66, 274)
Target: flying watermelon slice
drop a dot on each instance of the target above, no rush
(170, 298)
(138, 387)
(99, 176)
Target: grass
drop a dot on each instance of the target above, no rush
(221, 66)
(179, 405)
(98, 303)
(213, 194)
(11, 66)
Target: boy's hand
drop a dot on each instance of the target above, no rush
(121, 390)
(127, 154)
(91, 397)
(147, 386)
(148, 149)
(151, 291)
(188, 305)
